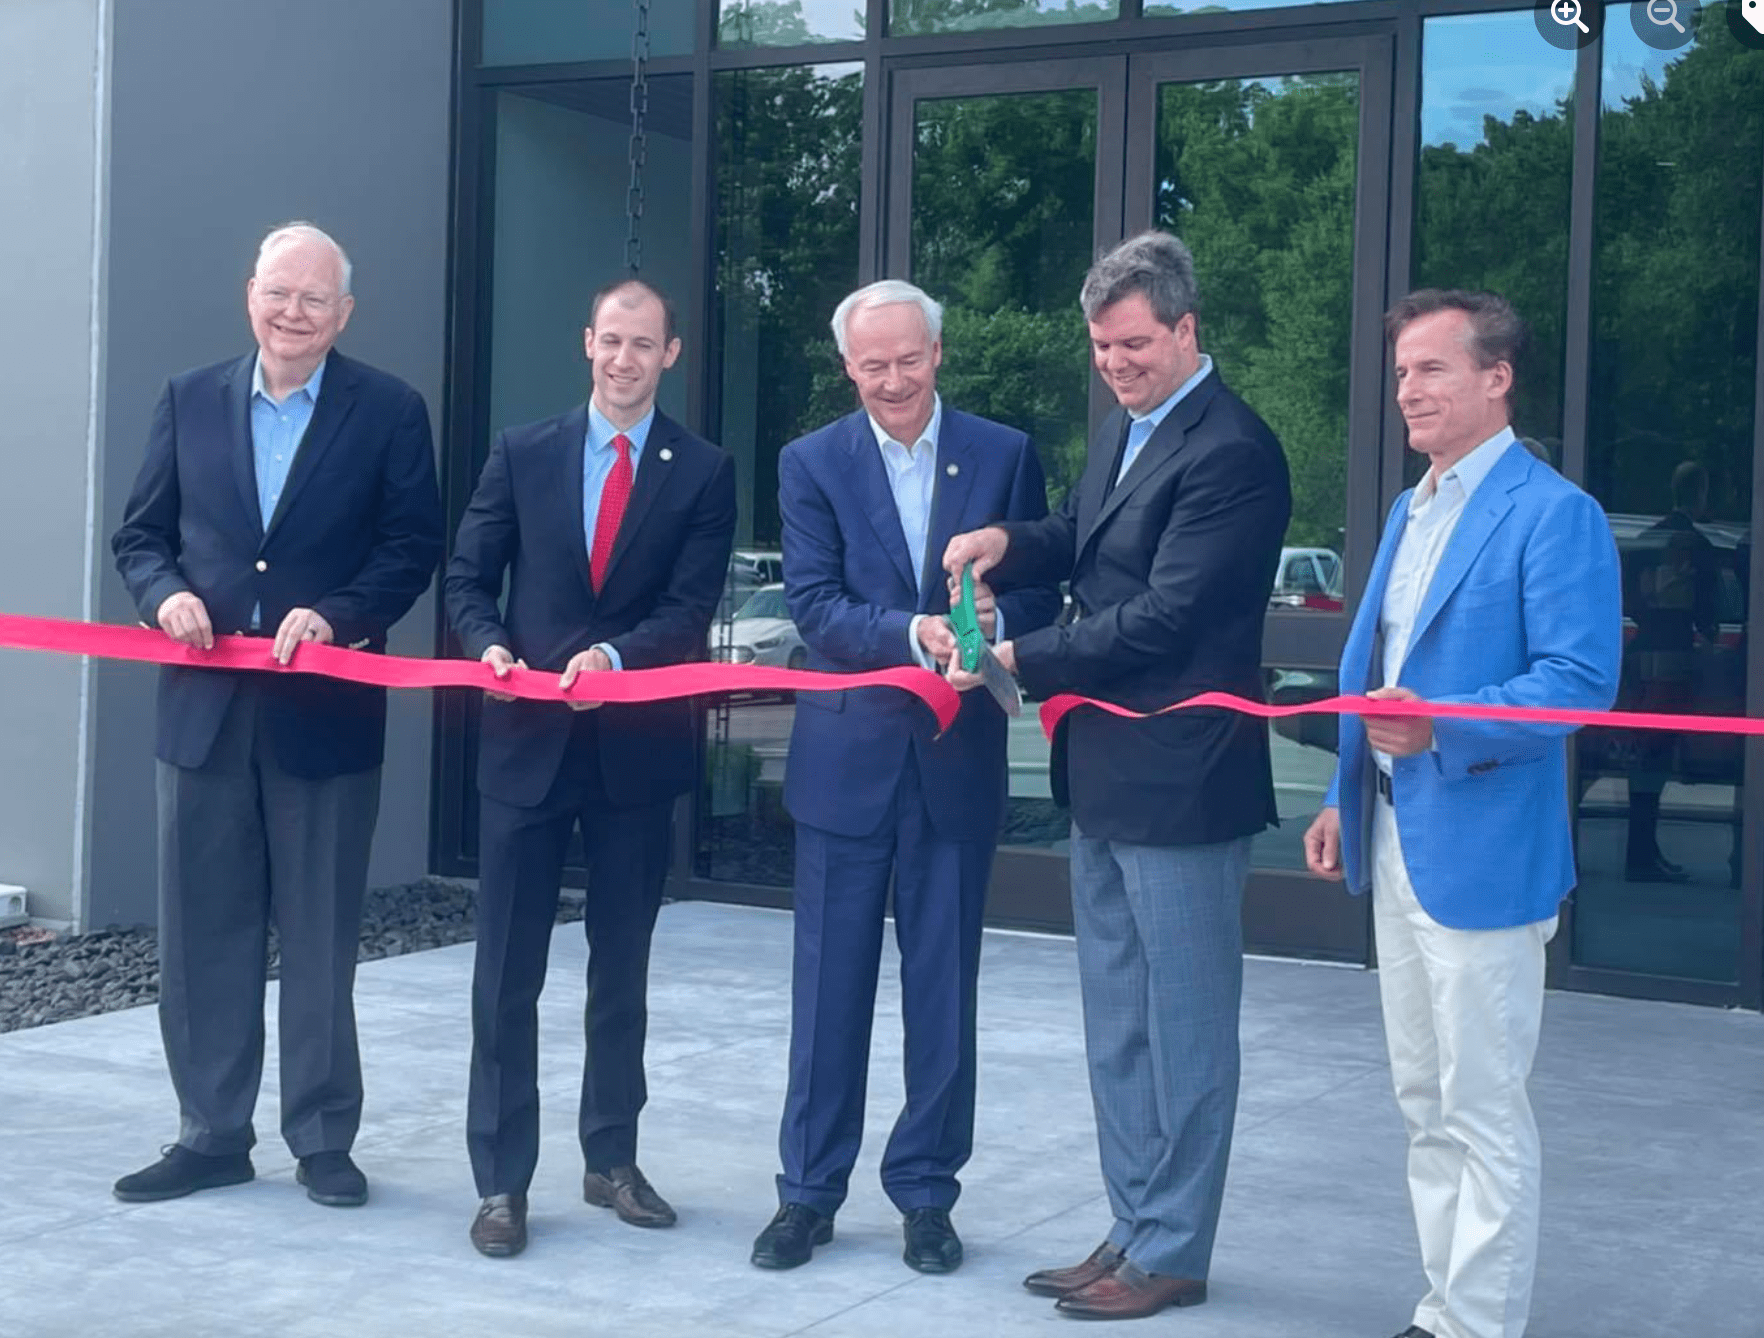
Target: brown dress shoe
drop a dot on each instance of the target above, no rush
(1130, 1293)
(500, 1228)
(627, 1193)
(1061, 1281)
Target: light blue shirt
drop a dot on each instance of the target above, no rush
(912, 478)
(276, 433)
(1143, 425)
(598, 458)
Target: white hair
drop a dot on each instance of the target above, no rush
(887, 293)
(301, 231)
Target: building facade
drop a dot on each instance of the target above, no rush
(1320, 159)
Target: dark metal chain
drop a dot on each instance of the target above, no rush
(639, 140)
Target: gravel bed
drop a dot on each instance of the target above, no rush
(77, 976)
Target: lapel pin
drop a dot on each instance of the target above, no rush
(952, 470)
(666, 454)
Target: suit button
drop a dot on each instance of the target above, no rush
(262, 565)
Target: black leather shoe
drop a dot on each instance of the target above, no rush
(790, 1238)
(932, 1245)
(500, 1228)
(332, 1179)
(180, 1171)
(1414, 1331)
(627, 1193)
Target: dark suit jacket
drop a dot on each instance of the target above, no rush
(852, 593)
(1171, 572)
(662, 584)
(356, 537)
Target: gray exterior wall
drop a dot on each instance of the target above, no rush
(227, 118)
(51, 123)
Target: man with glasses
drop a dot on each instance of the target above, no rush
(288, 494)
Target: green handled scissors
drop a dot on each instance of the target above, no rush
(975, 655)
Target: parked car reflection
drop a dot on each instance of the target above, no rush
(760, 632)
(1309, 578)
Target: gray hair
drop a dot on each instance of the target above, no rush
(887, 293)
(1155, 265)
(301, 231)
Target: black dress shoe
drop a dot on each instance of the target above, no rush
(627, 1193)
(790, 1238)
(500, 1228)
(932, 1245)
(180, 1171)
(332, 1179)
(1414, 1331)
(1653, 871)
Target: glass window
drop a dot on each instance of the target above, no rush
(907, 18)
(749, 23)
(1492, 186)
(1004, 189)
(545, 32)
(787, 154)
(1674, 367)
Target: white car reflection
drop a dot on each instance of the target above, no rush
(760, 633)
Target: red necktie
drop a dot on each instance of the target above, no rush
(613, 497)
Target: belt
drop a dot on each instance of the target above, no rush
(1385, 787)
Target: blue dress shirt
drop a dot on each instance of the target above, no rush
(1146, 424)
(276, 433)
(598, 459)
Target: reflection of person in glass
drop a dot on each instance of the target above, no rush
(1671, 593)
(868, 503)
(1496, 582)
(1171, 540)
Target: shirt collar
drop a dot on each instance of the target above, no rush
(601, 430)
(1469, 472)
(932, 426)
(1157, 415)
(311, 387)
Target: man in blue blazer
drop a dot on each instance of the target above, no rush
(597, 541)
(290, 494)
(1497, 582)
(868, 503)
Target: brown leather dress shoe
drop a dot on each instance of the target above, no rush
(1062, 1281)
(500, 1228)
(1130, 1293)
(627, 1193)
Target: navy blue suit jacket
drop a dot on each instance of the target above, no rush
(356, 537)
(1171, 569)
(661, 589)
(853, 593)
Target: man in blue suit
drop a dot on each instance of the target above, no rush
(1497, 582)
(288, 494)
(868, 503)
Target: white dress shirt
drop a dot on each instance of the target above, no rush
(1434, 509)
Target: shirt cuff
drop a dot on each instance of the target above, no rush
(921, 656)
(609, 652)
(997, 625)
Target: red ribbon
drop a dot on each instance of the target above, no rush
(145, 645)
(1055, 709)
(148, 646)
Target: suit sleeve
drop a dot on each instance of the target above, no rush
(146, 545)
(1026, 607)
(488, 536)
(677, 629)
(407, 536)
(1572, 607)
(1042, 548)
(1229, 513)
(852, 634)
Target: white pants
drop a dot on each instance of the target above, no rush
(1462, 1010)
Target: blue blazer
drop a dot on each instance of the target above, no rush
(1525, 609)
(852, 592)
(355, 536)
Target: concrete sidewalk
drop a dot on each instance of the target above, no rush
(1653, 1121)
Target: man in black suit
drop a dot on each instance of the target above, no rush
(614, 526)
(290, 494)
(1171, 540)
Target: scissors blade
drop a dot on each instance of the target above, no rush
(999, 683)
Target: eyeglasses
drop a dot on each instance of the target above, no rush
(311, 304)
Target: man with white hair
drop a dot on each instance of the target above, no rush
(868, 503)
(288, 494)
